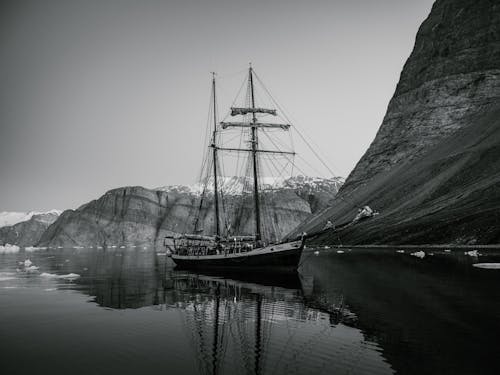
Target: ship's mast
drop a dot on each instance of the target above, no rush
(254, 149)
(214, 150)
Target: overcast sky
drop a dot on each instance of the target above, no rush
(97, 94)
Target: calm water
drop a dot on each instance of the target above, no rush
(360, 312)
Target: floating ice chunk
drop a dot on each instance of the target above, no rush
(4, 276)
(9, 249)
(400, 251)
(35, 248)
(419, 254)
(472, 253)
(316, 252)
(488, 266)
(340, 251)
(28, 263)
(69, 276)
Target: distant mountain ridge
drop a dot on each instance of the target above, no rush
(8, 218)
(236, 185)
(28, 231)
(134, 215)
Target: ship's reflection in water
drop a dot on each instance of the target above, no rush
(360, 312)
(242, 323)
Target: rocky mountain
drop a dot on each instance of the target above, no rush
(27, 232)
(137, 216)
(433, 168)
(8, 218)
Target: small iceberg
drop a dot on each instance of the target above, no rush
(9, 249)
(472, 253)
(34, 248)
(419, 254)
(4, 276)
(69, 276)
(488, 266)
(316, 252)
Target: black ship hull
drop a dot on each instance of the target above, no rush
(283, 257)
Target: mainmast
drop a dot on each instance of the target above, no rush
(214, 151)
(254, 148)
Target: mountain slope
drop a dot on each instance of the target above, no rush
(137, 216)
(433, 168)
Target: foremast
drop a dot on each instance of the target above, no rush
(214, 155)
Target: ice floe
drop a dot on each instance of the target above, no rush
(472, 253)
(488, 266)
(4, 276)
(69, 276)
(9, 249)
(34, 248)
(419, 254)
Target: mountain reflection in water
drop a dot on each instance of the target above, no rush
(364, 311)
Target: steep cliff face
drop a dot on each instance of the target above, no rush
(433, 169)
(451, 75)
(137, 216)
(28, 232)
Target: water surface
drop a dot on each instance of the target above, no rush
(358, 312)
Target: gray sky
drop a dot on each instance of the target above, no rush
(98, 94)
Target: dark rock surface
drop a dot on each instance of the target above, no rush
(433, 169)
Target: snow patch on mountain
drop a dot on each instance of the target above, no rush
(238, 185)
(10, 218)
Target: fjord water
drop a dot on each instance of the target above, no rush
(356, 312)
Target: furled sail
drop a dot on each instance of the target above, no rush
(243, 111)
(226, 125)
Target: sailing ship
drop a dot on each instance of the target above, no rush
(225, 249)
